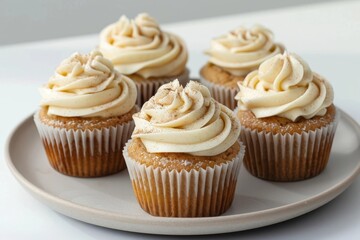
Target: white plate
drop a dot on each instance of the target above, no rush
(109, 201)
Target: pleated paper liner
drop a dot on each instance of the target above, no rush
(222, 94)
(288, 157)
(148, 88)
(194, 193)
(85, 153)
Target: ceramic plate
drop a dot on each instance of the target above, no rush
(109, 201)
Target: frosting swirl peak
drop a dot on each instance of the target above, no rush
(88, 86)
(185, 120)
(243, 50)
(285, 86)
(140, 47)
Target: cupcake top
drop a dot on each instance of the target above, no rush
(88, 86)
(185, 120)
(243, 50)
(140, 47)
(285, 86)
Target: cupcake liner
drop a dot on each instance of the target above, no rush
(195, 193)
(288, 157)
(223, 94)
(85, 153)
(147, 88)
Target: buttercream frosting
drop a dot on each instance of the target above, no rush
(285, 86)
(186, 120)
(88, 86)
(140, 47)
(243, 49)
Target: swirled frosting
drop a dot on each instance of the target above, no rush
(243, 50)
(185, 120)
(140, 47)
(88, 86)
(285, 86)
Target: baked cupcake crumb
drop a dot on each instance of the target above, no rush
(79, 123)
(276, 124)
(217, 75)
(179, 161)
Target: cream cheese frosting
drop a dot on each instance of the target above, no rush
(185, 120)
(140, 47)
(285, 86)
(243, 49)
(88, 86)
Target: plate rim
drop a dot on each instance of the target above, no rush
(49, 199)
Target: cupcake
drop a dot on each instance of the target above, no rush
(184, 155)
(85, 117)
(141, 50)
(288, 120)
(232, 57)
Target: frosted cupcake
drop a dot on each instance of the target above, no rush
(288, 120)
(86, 116)
(232, 57)
(141, 50)
(184, 155)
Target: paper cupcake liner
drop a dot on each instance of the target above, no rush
(288, 157)
(85, 153)
(222, 94)
(195, 193)
(147, 88)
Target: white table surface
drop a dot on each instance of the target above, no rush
(326, 35)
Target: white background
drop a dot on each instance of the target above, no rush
(31, 20)
(326, 35)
